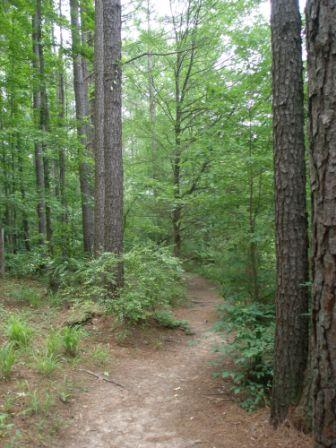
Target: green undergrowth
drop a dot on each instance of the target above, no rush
(250, 347)
(153, 282)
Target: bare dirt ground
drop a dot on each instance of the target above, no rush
(171, 399)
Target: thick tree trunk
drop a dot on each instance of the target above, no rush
(99, 128)
(37, 107)
(113, 132)
(321, 43)
(291, 340)
(83, 131)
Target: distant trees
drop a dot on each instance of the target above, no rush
(291, 340)
(321, 44)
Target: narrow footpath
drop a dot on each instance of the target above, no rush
(171, 399)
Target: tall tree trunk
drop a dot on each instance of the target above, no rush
(253, 252)
(99, 128)
(113, 132)
(61, 153)
(321, 43)
(25, 223)
(291, 340)
(82, 116)
(151, 102)
(37, 107)
(177, 208)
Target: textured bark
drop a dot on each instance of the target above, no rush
(113, 132)
(83, 131)
(291, 340)
(37, 107)
(321, 43)
(99, 128)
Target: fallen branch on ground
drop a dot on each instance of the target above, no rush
(100, 377)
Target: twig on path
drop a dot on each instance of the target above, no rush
(100, 377)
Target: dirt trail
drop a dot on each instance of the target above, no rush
(170, 398)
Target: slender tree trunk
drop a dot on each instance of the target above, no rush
(37, 107)
(113, 132)
(99, 128)
(151, 102)
(177, 208)
(61, 154)
(321, 43)
(82, 116)
(291, 340)
(25, 223)
(253, 253)
(2, 251)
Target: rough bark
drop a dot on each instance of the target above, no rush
(113, 132)
(83, 131)
(291, 340)
(99, 128)
(321, 44)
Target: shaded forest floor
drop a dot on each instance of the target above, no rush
(170, 398)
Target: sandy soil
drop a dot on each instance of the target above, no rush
(171, 399)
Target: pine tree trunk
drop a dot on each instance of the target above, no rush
(291, 340)
(321, 43)
(83, 131)
(99, 128)
(113, 132)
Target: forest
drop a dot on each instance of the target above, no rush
(167, 223)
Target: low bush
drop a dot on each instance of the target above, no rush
(153, 281)
(251, 348)
(27, 264)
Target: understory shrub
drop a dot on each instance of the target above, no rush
(153, 281)
(251, 348)
(27, 264)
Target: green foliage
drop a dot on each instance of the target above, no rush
(54, 343)
(251, 348)
(18, 331)
(165, 318)
(101, 354)
(86, 279)
(26, 295)
(7, 360)
(38, 402)
(71, 337)
(153, 281)
(5, 424)
(45, 363)
(27, 264)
